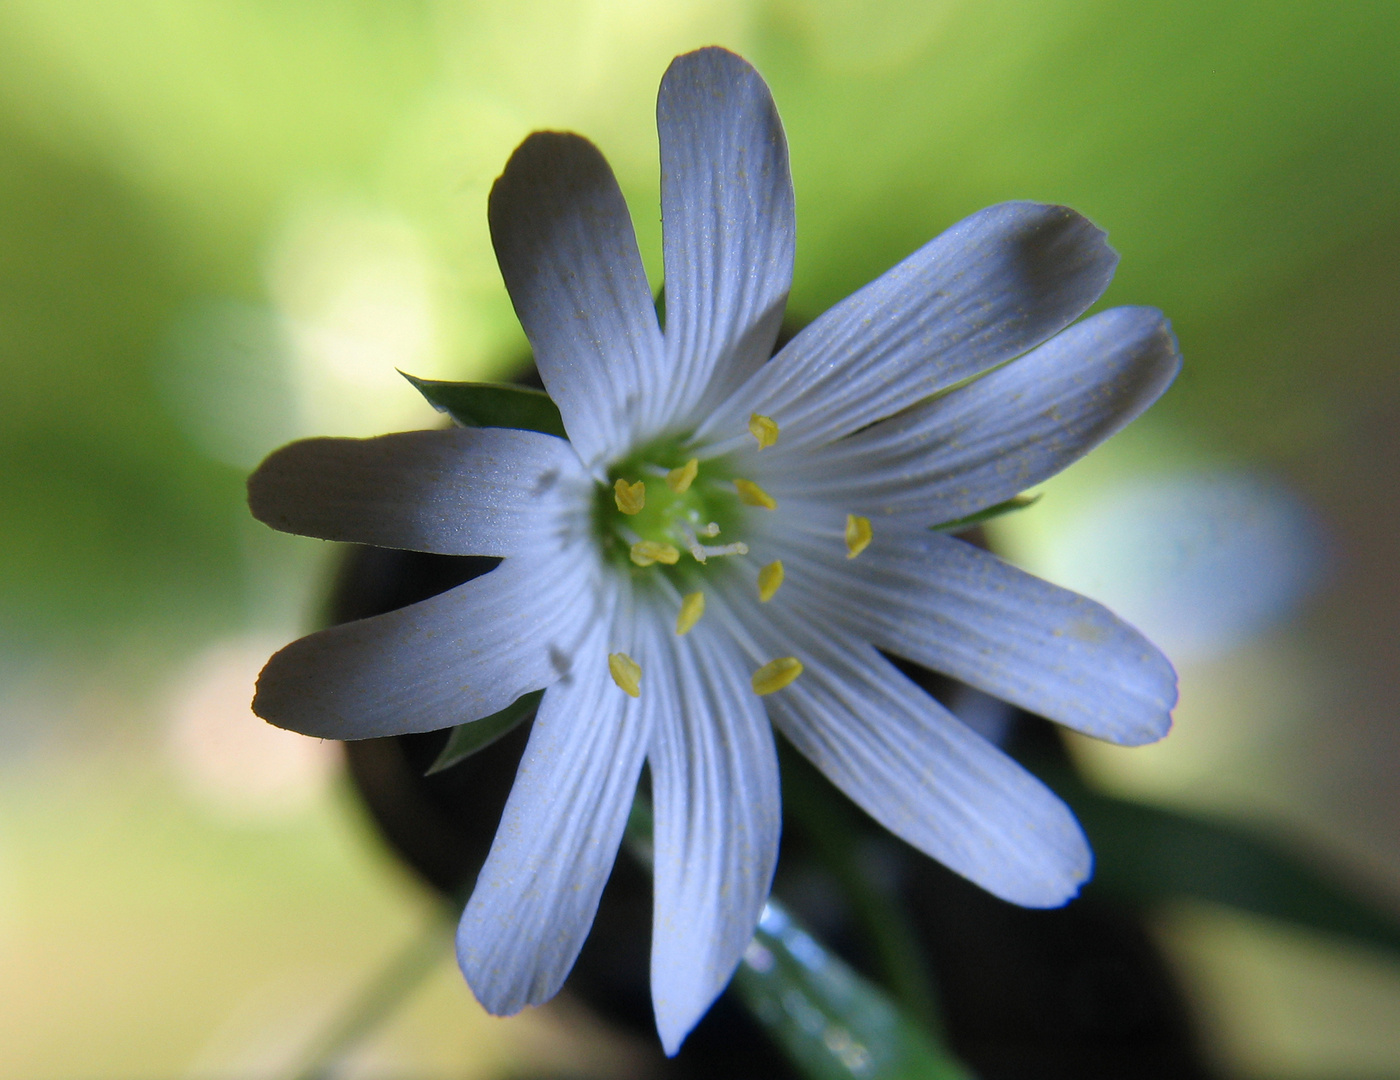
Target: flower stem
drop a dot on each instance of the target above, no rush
(379, 999)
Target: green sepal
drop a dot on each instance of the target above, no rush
(1020, 502)
(492, 405)
(467, 739)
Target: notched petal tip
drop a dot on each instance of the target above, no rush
(1162, 346)
(1059, 250)
(1158, 692)
(277, 690)
(1145, 734)
(1054, 874)
(498, 995)
(290, 695)
(1058, 893)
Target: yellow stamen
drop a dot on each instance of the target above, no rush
(769, 578)
(679, 480)
(858, 535)
(626, 672)
(646, 552)
(776, 674)
(692, 607)
(750, 494)
(763, 429)
(630, 498)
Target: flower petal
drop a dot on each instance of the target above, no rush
(569, 258)
(537, 894)
(909, 763)
(991, 287)
(715, 792)
(456, 657)
(476, 491)
(729, 226)
(997, 436)
(956, 609)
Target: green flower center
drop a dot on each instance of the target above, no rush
(663, 513)
(662, 508)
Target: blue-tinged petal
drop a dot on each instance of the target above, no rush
(990, 440)
(569, 258)
(728, 223)
(715, 792)
(459, 656)
(537, 894)
(994, 285)
(908, 762)
(956, 609)
(481, 491)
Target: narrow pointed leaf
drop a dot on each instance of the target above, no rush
(832, 1023)
(1146, 853)
(466, 739)
(492, 405)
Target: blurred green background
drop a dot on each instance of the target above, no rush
(224, 223)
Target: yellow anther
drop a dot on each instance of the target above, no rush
(627, 673)
(679, 480)
(630, 498)
(763, 429)
(692, 607)
(776, 674)
(646, 552)
(769, 578)
(858, 535)
(750, 494)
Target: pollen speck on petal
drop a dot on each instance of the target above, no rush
(776, 674)
(750, 494)
(630, 498)
(764, 429)
(769, 579)
(679, 480)
(626, 672)
(692, 607)
(858, 535)
(646, 552)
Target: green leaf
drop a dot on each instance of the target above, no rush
(492, 405)
(832, 831)
(467, 739)
(1145, 853)
(1020, 502)
(832, 1023)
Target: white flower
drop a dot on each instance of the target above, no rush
(808, 554)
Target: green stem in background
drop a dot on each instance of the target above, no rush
(380, 998)
(883, 920)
